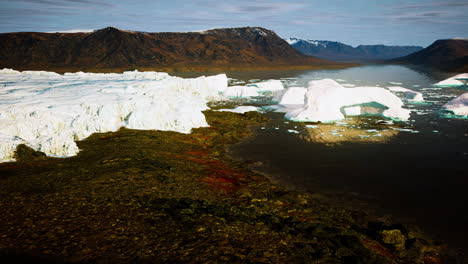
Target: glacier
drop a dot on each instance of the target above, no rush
(328, 101)
(453, 82)
(49, 112)
(458, 106)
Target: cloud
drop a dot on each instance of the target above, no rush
(254, 7)
(72, 31)
(64, 3)
(440, 4)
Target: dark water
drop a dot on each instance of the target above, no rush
(418, 178)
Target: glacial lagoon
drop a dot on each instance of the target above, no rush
(414, 171)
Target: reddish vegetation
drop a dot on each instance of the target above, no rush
(379, 249)
(219, 175)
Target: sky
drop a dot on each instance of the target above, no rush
(354, 22)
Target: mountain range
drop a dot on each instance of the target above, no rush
(337, 51)
(446, 54)
(112, 49)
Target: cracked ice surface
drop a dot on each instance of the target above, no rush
(49, 112)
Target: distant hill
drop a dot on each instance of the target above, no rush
(337, 51)
(112, 49)
(446, 55)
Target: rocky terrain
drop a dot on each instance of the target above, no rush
(137, 196)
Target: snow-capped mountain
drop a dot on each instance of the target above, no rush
(333, 50)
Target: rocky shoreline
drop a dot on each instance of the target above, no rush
(163, 197)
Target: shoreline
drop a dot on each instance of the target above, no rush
(347, 197)
(187, 68)
(137, 196)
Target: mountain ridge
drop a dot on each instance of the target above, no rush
(338, 51)
(444, 54)
(111, 49)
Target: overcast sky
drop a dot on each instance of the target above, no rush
(393, 22)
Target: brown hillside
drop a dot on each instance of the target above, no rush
(447, 55)
(114, 49)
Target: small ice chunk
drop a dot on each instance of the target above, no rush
(410, 94)
(405, 130)
(372, 131)
(395, 83)
(293, 131)
(240, 109)
(458, 106)
(312, 126)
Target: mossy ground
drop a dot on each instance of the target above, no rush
(165, 197)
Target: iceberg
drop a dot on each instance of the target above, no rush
(293, 96)
(255, 89)
(409, 94)
(268, 86)
(328, 101)
(458, 106)
(240, 91)
(455, 81)
(49, 112)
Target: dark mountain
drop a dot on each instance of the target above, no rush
(113, 49)
(337, 51)
(446, 55)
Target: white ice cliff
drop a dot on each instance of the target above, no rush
(49, 112)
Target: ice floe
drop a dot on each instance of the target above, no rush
(327, 101)
(409, 94)
(455, 81)
(49, 112)
(458, 106)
